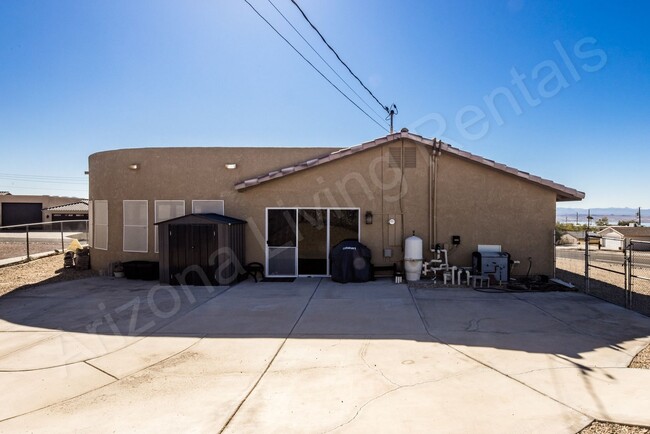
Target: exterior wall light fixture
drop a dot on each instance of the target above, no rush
(231, 166)
(368, 217)
(134, 166)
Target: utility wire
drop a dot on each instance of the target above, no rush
(321, 58)
(46, 181)
(312, 65)
(385, 107)
(44, 176)
(41, 188)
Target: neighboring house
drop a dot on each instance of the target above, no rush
(300, 202)
(22, 209)
(70, 211)
(570, 238)
(617, 237)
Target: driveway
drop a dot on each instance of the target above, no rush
(110, 355)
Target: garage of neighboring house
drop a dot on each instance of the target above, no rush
(26, 209)
(619, 237)
(68, 213)
(21, 213)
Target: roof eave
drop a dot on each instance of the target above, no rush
(563, 193)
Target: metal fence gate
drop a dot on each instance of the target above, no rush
(613, 269)
(638, 253)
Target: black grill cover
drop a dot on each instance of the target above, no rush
(350, 262)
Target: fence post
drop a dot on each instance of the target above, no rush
(554, 253)
(586, 261)
(628, 275)
(27, 240)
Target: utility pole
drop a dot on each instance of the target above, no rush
(639, 215)
(392, 111)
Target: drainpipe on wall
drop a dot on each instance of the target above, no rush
(433, 195)
(431, 159)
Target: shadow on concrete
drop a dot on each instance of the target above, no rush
(565, 324)
(640, 302)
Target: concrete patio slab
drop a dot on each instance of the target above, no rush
(141, 354)
(609, 394)
(241, 316)
(313, 356)
(13, 341)
(514, 353)
(196, 390)
(28, 391)
(62, 349)
(314, 384)
(480, 400)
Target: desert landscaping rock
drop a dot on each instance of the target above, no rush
(38, 272)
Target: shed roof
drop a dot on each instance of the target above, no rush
(564, 193)
(74, 207)
(210, 218)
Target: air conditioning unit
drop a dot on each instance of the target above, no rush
(496, 264)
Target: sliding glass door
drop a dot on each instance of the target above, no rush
(312, 242)
(299, 239)
(281, 243)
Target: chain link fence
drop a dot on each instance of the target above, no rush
(614, 269)
(639, 277)
(33, 240)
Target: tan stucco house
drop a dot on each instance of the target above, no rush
(299, 202)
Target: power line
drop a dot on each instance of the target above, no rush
(42, 188)
(46, 181)
(321, 58)
(312, 65)
(385, 107)
(43, 176)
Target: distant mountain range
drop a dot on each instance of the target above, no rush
(603, 211)
(612, 214)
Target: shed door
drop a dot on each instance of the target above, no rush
(190, 248)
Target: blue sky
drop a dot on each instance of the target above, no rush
(78, 77)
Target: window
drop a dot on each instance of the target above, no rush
(100, 235)
(344, 225)
(207, 206)
(136, 219)
(165, 210)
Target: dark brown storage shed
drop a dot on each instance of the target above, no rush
(201, 249)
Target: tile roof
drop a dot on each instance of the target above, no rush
(75, 207)
(564, 193)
